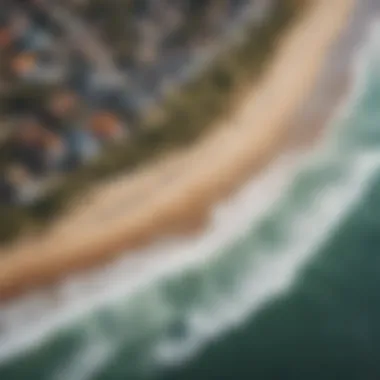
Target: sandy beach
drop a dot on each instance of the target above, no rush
(176, 194)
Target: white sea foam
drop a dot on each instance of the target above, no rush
(274, 273)
(270, 274)
(26, 323)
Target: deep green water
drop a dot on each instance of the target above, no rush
(326, 326)
(293, 293)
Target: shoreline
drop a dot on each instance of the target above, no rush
(184, 202)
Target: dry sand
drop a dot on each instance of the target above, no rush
(177, 194)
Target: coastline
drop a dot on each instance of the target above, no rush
(180, 199)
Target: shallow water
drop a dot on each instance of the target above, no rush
(283, 284)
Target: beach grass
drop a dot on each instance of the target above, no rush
(178, 121)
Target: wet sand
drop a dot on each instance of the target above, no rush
(177, 194)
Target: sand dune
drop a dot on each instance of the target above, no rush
(176, 194)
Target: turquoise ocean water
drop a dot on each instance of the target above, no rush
(285, 284)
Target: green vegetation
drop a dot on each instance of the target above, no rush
(182, 118)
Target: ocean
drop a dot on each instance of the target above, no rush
(284, 284)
